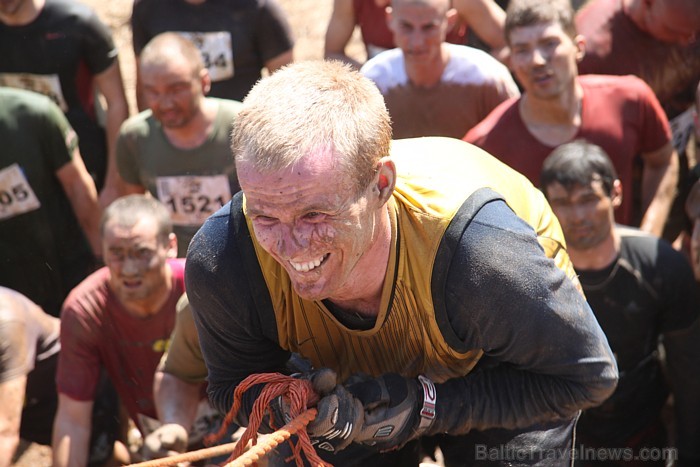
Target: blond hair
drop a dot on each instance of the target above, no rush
(313, 105)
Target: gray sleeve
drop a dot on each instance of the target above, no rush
(237, 331)
(545, 356)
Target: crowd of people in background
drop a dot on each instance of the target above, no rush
(481, 237)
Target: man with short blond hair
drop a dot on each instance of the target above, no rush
(401, 271)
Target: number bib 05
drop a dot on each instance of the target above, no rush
(16, 194)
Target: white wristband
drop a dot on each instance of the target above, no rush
(427, 412)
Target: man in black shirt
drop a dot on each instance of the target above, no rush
(642, 291)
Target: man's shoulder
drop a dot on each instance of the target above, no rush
(503, 119)
(615, 87)
(625, 84)
(89, 296)
(177, 266)
(140, 125)
(468, 64)
(16, 103)
(643, 247)
(228, 108)
(386, 69)
(61, 10)
(214, 233)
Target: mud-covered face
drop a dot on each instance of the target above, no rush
(312, 220)
(137, 259)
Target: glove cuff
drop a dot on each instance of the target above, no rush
(427, 411)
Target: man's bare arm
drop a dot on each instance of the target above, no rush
(176, 400)
(486, 18)
(659, 179)
(111, 86)
(71, 432)
(12, 397)
(339, 32)
(82, 194)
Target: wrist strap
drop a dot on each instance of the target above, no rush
(427, 412)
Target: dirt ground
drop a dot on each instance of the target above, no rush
(308, 19)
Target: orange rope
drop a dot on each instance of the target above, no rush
(300, 395)
(269, 442)
(266, 444)
(188, 456)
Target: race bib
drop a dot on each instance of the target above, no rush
(682, 129)
(48, 85)
(216, 51)
(16, 194)
(193, 198)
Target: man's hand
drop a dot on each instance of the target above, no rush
(397, 409)
(168, 440)
(338, 422)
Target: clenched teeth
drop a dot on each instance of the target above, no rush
(308, 265)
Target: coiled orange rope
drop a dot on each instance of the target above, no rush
(300, 395)
(265, 445)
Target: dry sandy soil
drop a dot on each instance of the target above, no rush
(308, 19)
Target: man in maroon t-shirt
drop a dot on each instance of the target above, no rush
(119, 318)
(620, 114)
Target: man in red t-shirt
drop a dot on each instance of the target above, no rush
(119, 318)
(656, 40)
(620, 114)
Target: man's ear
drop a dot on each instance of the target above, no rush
(452, 18)
(388, 15)
(616, 194)
(385, 180)
(172, 246)
(205, 81)
(580, 43)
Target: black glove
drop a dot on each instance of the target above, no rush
(339, 417)
(396, 409)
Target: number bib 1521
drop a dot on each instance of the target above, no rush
(16, 194)
(193, 198)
